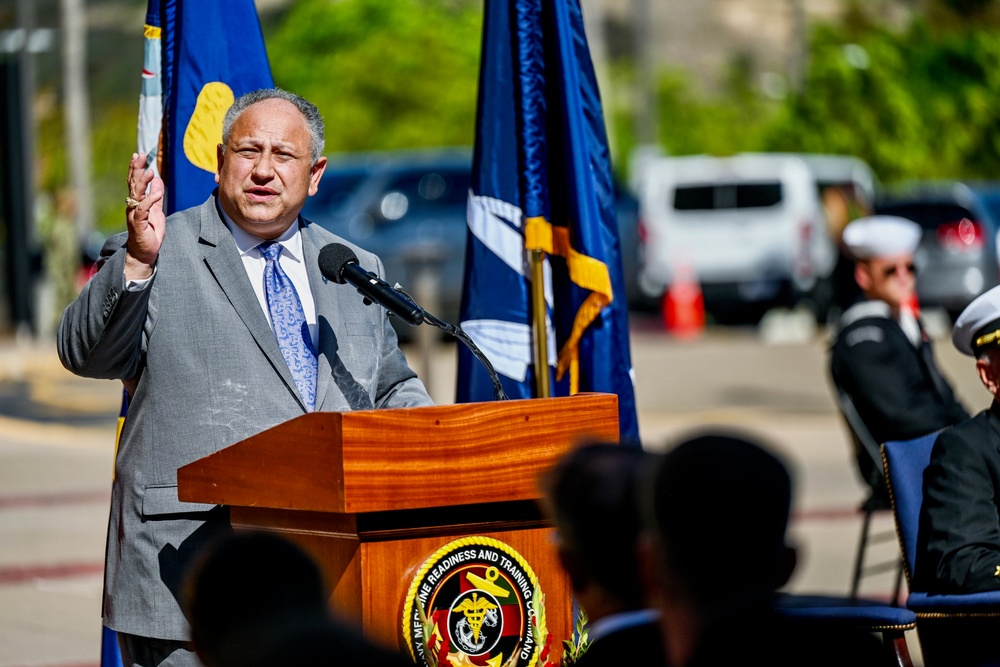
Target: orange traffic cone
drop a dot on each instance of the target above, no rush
(684, 305)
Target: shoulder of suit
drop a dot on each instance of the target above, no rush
(322, 237)
(972, 429)
(180, 223)
(191, 220)
(207, 207)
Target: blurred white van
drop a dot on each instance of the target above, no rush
(751, 228)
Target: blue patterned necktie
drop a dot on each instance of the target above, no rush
(288, 320)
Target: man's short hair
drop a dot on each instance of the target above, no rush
(720, 509)
(314, 121)
(591, 497)
(247, 589)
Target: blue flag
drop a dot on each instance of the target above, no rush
(542, 179)
(200, 55)
(213, 52)
(151, 97)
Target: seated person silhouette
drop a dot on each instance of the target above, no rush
(590, 496)
(881, 356)
(959, 539)
(257, 600)
(715, 553)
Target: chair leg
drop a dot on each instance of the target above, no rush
(896, 648)
(860, 557)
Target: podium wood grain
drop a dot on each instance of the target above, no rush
(376, 460)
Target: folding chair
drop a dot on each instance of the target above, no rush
(869, 460)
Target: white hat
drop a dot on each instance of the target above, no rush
(881, 236)
(978, 327)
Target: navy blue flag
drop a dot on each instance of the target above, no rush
(200, 55)
(213, 52)
(542, 179)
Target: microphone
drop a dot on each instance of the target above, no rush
(338, 263)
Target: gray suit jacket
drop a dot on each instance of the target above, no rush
(209, 374)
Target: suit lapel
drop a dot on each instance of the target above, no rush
(223, 260)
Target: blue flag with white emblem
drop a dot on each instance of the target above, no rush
(542, 180)
(213, 52)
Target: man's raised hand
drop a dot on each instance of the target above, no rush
(146, 220)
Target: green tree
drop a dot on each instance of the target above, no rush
(728, 123)
(858, 100)
(919, 103)
(386, 74)
(914, 105)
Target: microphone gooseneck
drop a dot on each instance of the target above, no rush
(339, 263)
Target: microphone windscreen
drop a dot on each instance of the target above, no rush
(332, 260)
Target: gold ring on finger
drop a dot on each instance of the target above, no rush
(131, 203)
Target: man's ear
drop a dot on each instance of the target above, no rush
(987, 375)
(863, 276)
(219, 157)
(315, 174)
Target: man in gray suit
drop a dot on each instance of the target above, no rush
(181, 311)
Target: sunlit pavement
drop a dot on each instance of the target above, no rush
(57, 431)
(56, 443)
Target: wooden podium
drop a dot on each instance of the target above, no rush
(373, 494)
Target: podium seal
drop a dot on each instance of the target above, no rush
(475, 601)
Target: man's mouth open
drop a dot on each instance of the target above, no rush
(261, 195)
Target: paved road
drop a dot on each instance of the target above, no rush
(56, 435)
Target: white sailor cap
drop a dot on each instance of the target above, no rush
(880, 236)
(978, 327)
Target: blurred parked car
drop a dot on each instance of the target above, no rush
(958, 255)
(751, 228)
(409, 207)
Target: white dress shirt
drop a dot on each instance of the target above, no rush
(292, 262)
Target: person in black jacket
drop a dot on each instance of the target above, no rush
(959, 540)
(881, 356)
(958, 544)
(715, 553)
(590, 496)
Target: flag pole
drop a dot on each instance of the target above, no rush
(538, 317)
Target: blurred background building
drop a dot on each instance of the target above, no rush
(677, 77)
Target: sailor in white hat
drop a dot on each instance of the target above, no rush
(881, 358)
(962, 482)
(886, 236)
(977, 329)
